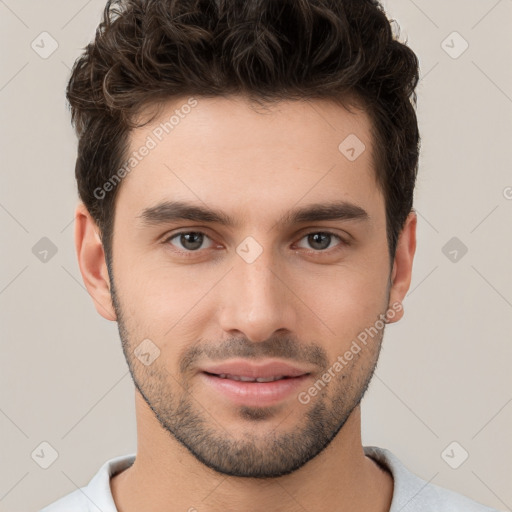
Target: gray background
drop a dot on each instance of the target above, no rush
(444, 373)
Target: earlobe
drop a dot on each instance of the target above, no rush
(402, 267)
(92, 263)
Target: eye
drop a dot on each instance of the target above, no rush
(190, 241)
(321, 240)
(193, 241)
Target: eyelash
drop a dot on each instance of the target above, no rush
(332, 250)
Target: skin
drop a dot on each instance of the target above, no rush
(296, 299)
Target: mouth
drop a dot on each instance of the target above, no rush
(264, 371)
(255, 385)
(244, 378)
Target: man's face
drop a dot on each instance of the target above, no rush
(192, 296)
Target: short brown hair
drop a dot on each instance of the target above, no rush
(148, 51)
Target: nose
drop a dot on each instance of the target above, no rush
(256, 299)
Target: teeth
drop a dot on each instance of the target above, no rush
(250, 379)
(243, 379)
(269, 379)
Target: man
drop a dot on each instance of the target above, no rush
(246, 173)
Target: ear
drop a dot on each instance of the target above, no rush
(92, 262)
(402, 266)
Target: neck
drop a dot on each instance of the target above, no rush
(165, 477)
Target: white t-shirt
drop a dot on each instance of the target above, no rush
(410, 493)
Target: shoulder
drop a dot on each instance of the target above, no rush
(76, 501)
(413, 494)
(96, 495)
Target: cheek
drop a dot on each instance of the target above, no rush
(163, 302)
(348, 300)
(174, 303)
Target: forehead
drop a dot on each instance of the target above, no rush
(222, 152)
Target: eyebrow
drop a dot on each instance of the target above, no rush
(171, 211)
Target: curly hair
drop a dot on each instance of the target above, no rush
(146, 52)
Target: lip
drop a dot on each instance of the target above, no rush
(266, 369)
(256, 394)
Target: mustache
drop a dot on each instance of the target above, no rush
(278, 347)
